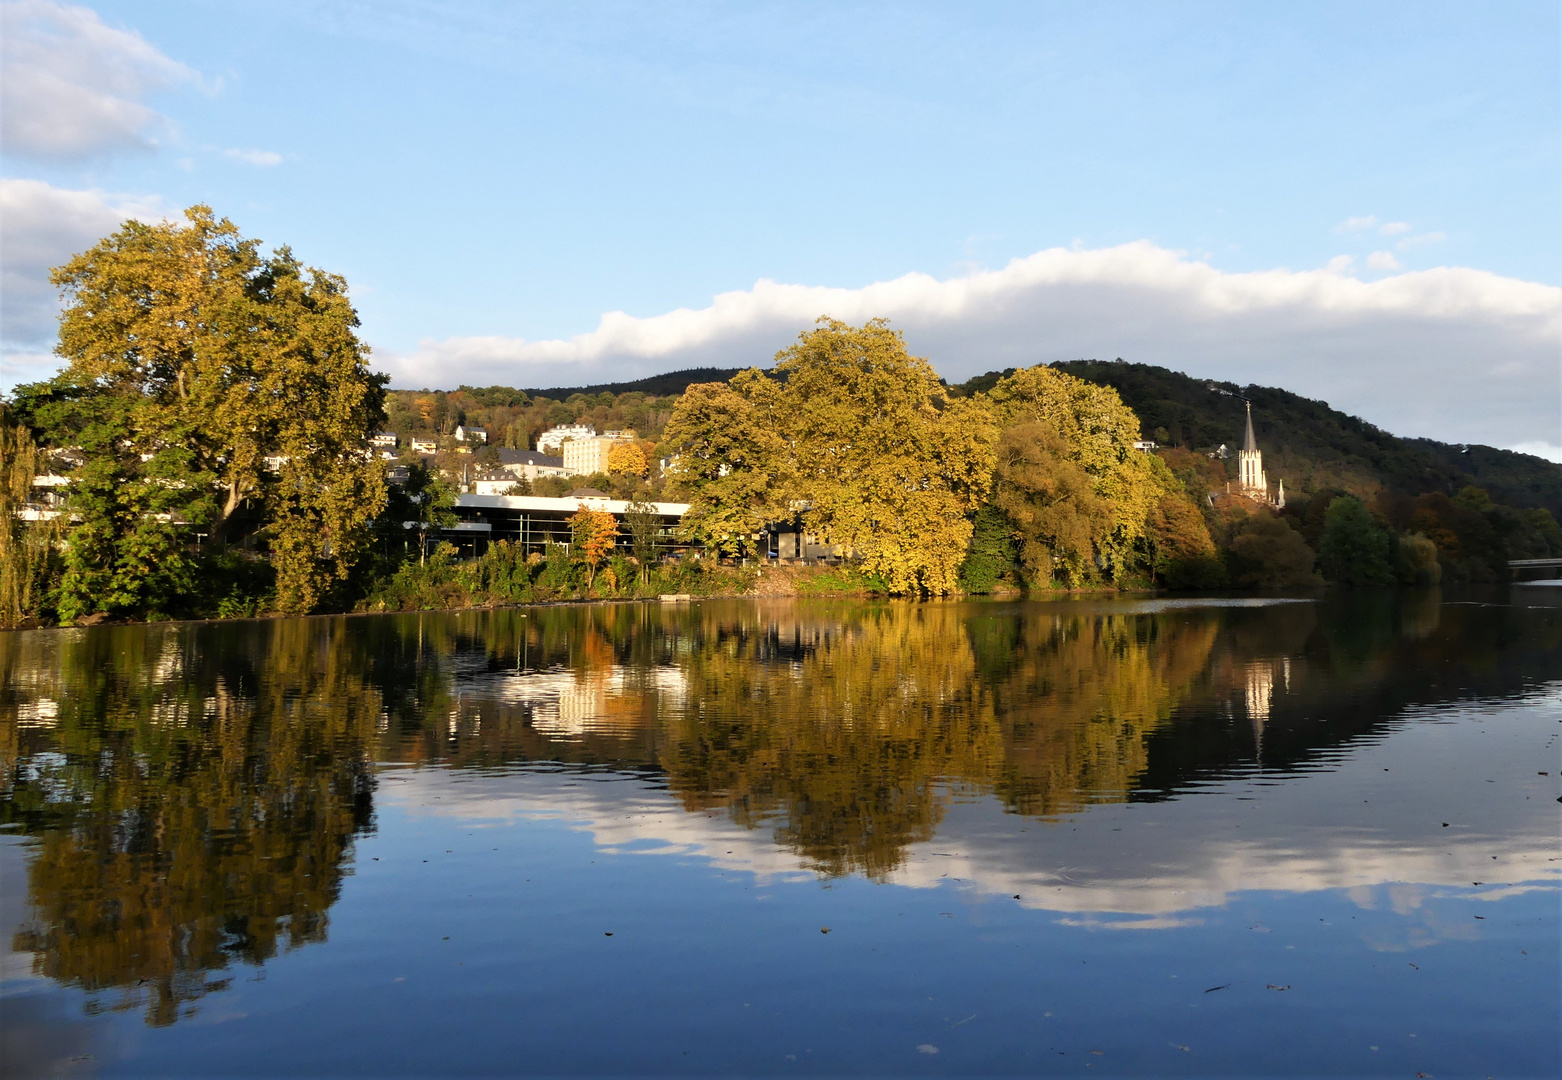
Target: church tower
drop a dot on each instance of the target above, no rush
(1250, 465)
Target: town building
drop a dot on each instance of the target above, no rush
(383, 440)
(496, 482)
(556, 437)
(582, 457)
(424, 444)
(530, 464)
(534, 522)
(466, 434)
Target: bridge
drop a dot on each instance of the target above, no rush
(1524, 566)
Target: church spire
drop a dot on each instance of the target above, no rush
(1248, 442)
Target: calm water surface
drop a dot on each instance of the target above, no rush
(790, 837)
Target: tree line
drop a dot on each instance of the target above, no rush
(215, 401)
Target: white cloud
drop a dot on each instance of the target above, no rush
(1357, 224)
(1450, 353)
(1421, 241)
(1340, 264)
(71, 86)
(1540, 448)
(1382, 260)
(1393, 228)
(41, 227)
(263, 158)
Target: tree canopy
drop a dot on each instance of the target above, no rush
(853, 435)
(204, 378)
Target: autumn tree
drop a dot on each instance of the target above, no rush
(203, 376)
(729, 460)
(1050, 503)
(592, 533)
(627, 458)
(887, 466)
(853, 433)
(1182, 553)
(1091, 432)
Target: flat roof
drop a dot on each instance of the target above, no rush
(539, 502)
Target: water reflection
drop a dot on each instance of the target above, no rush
(193, 804)
(191, 794)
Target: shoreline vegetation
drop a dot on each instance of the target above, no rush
(782, 583)
(208, 450)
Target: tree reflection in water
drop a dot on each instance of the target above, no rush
(191, 793)
(193, 803)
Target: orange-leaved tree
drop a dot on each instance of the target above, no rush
(591, 539)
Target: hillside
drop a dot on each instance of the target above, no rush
(1305, 442)
(672, 383)
(1310, 445)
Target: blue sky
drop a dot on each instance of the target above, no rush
(509, 173)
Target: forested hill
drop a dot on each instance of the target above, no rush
(674, 382)
(1310, 445)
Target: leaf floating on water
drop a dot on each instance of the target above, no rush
(1272, 986)
(1098, 1052)
(926, 1048)
(607, 933)
(824, 929)
(1222, 986)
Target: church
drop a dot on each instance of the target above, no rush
(1251, 480)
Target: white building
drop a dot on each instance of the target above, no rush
(466, 434)
(582, 457)
(555, 437)
(529, 464)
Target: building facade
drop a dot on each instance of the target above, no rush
(555, 437)
(582, 457)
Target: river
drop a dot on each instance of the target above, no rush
(1091, 836)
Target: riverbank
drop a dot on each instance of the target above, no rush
(442, 584)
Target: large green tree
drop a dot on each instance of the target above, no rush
(203, 377)
(1356, 549)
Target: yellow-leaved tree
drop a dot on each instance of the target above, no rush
(854, 435)
(729, 459)
(203, 377)
(1059, 433)
(881, 461)
(628, 459)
